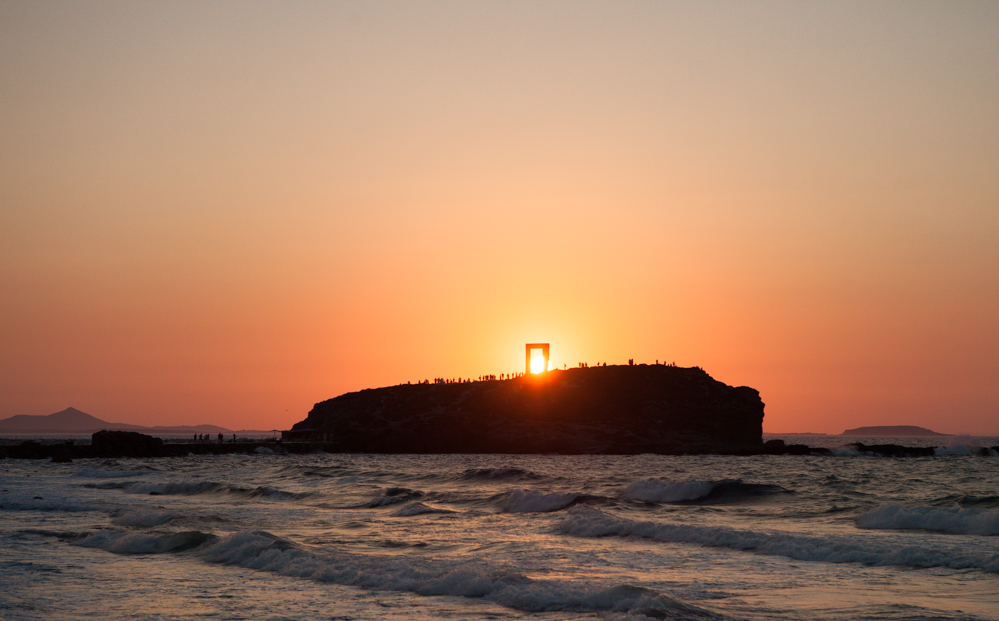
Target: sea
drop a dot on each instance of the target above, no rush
(848, 536)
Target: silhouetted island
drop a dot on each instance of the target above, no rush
(892, 430)
(600, 410)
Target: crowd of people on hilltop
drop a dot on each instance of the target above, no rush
(509, 376)
(468, 380)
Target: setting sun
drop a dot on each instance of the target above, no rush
(537, 364)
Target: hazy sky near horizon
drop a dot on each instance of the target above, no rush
(225, 212)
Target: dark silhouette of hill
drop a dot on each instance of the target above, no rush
(72, 420)
(892, 430)
(604, 410)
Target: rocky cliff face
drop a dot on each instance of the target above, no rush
(601, 410)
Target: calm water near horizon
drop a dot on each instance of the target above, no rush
(504, 536)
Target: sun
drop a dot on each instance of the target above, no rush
(537, 364)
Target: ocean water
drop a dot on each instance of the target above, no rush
(356, 536)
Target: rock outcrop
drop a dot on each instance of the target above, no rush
(125, 444)
(598, 410)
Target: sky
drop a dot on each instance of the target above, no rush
(226, 212)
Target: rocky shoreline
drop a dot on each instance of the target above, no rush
(120, 444)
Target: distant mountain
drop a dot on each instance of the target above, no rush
(892, 430)
(72, 420)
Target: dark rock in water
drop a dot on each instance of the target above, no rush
(894, 450)
(600, 410)
(30, 449)
(778, 447)
(126, 444)
(62, 454)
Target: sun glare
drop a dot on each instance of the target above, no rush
(537, 364)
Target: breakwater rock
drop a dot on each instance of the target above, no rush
(125, 444)
(600, 410)
(115, 444)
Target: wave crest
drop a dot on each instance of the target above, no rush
(125, 542)
(725, 490)
(582, 521)
(417, 508)
(394, 496)
(948, 520)
(437, 577)
(191, 488)
(648, 490)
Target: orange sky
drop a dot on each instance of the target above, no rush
(226, 212)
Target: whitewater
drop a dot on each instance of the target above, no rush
(354, 536)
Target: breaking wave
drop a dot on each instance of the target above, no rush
(394, 496)
(435, 577)
(948, 520)
(584, 521)
(965, 445)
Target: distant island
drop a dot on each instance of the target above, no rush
(892, 430)
(72, 420)
(621, 409)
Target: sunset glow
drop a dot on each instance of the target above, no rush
(225, 213)
(537, 364)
